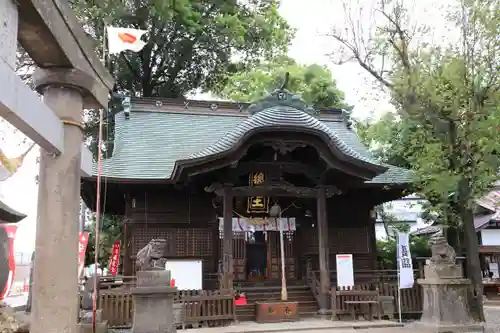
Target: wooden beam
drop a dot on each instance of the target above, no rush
(288, 167)
(277, 190)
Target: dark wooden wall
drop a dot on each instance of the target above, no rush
(189, 224)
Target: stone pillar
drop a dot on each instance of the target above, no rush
(55, 288)
(227, 245)
(8, 32)
(153, 303)
(445, 294)
(324, 251)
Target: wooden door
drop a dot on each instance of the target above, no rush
(274, 255)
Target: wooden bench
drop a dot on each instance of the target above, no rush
(354, 298)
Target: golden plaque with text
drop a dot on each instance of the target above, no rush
(257, 204)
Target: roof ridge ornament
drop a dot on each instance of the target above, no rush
(282, 97)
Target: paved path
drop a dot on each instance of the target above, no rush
(492, 326)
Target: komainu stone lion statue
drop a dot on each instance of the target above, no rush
(150, 257)
(442, 252)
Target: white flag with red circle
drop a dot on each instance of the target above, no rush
(124, 39)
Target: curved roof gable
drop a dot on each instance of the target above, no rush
(280, 110)
(274, 117)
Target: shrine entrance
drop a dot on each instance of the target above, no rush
(257, 256)
(256, 245)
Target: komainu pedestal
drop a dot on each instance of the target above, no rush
(153, 303)
(446, 293)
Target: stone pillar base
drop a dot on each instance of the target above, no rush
(153, 303)
(445, 306)
(101, 327)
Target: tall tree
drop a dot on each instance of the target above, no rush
(449, 96)
(191, 44)
(314, 83)
(387, 137)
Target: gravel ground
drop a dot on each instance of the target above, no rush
(492, 314)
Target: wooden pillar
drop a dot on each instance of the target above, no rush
(127, 261)
(227, 245)
(324, 251)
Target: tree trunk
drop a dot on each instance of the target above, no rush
(472, 252)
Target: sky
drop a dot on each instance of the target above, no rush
(313, 19)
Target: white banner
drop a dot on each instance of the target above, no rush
(259, 224)
(405, 265)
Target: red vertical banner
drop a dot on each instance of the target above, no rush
(114, 259)
(83, 240)
(10, 230)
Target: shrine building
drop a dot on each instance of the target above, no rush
(218, 180)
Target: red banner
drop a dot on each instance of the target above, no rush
(83, 240)
(114, 259)
(10, 230)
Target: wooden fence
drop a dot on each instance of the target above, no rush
(385, 281)
(210, 308)
(411, 299)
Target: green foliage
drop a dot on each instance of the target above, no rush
(447, 102)
(450, 97)
(314, 83)
(191, 44)
(387, 138)
(111, 231)
(387, 250)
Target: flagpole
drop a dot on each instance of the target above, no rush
(98, 201)
(399, 278)
(97, 222)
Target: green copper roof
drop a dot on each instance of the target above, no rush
(148, 144)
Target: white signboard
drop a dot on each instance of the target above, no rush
(493, 266)
(406, 279)
(187, 273)
(345, 270)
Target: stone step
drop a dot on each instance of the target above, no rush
(294, 298)
(272, 288)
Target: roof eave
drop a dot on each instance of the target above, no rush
(9, 215)
(372, 170)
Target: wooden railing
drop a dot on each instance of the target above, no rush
(411, 299)
(385, 281)
(211, 308)
(313, 283)
(210, 282)
(117, 308)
